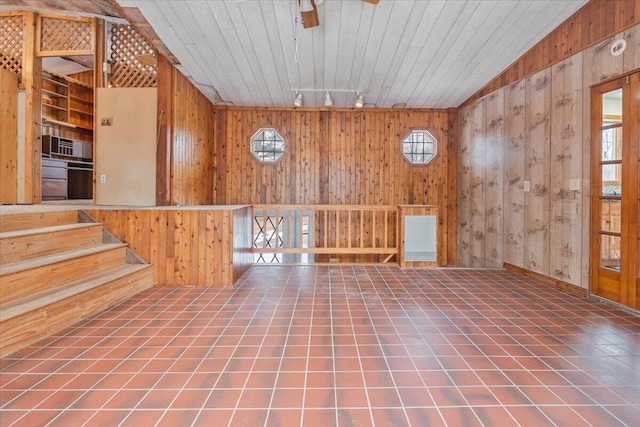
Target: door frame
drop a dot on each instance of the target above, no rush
(630, 188)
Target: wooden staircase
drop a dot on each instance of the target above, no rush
(57, 268)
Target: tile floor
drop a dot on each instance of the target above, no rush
(337, 345)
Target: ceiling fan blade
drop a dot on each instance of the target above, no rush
(310, 18)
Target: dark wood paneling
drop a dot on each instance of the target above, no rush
(593, 23)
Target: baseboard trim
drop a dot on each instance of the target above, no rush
(573, 289)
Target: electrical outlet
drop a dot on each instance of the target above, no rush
(103, 179)
(106, 121)
(526, 185)
(574, 185)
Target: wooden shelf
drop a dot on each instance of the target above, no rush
(54, 106)
(81, 111)
(52, 93)
(67, 105)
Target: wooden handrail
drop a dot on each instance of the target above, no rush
(331, 229)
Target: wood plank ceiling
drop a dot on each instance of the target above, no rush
(418, 54)
(409, 53)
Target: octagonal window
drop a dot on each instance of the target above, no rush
(419, 147)
(267, 145)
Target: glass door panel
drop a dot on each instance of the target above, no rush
(615, 205)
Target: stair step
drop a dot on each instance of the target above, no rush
(18, 266)
(27, 220)
(22, 278)
(26, 244)
(51, 296)
(26, 321)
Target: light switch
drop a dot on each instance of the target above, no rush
(574, 185)
(526, 185)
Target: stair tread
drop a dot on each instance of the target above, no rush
(50, 296)
(18, 266)
(44, 230)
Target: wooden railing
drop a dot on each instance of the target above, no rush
(325, 229)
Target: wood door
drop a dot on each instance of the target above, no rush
(615, 258)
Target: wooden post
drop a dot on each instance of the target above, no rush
(32, 82)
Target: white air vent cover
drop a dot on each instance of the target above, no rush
(420, 238)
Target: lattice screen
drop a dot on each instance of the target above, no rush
(11, 43)
(65, 36)
(127, 48)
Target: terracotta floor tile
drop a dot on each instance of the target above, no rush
(352, 398)
(255, 398)
(461, 416)
(30, 418)
(319, 398)
(108, 418)
(497, 416)
(489, 345)
(319, 417)
(248, 417)
(425, 417)
(177, 417)
(284, 417)
(212, 417)
(383, 397)
(415, 397)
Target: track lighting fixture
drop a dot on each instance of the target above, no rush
(328, 102)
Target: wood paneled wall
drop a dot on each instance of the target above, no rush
(186, 135)
(337, 157)
(546, 141)
(589, 26)
(187, 247)
(8, 137)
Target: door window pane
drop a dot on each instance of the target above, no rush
(611, 216)
(611, 179)
(612, 107)
(611, 143)
(610, 252)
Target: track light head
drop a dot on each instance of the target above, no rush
(298, 101)
(359, 101)
(328, 102)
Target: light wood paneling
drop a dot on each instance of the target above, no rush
(514, 173)
(597, 21)
(599, 65)
(32, 82)
(556, 141)
(477, 154)
(494, 178)
(537, 167)
(464, 187)
(338, 157)
(632, 53)
(566, 165)
(8, 137)
(187, 247)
